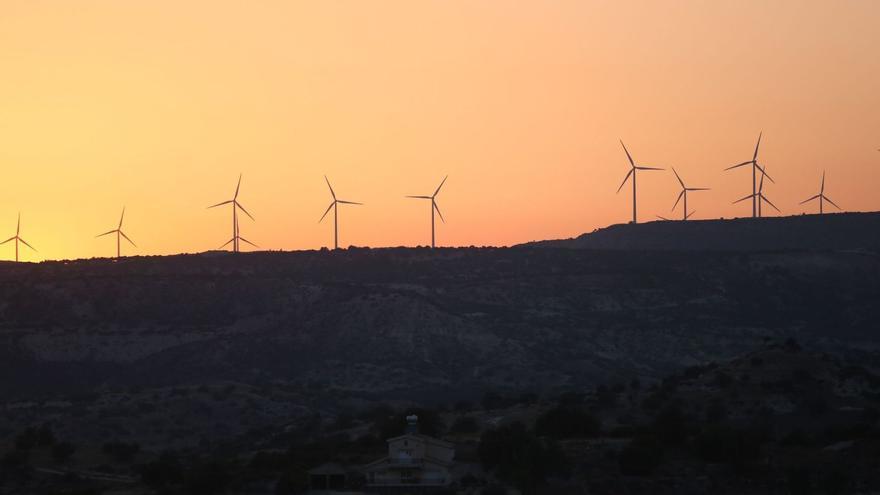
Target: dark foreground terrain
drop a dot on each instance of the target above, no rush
(225, 355)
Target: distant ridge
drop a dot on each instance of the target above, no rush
(804, 232)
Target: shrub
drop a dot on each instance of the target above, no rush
(62, 451)
(567, 422)
(641, 457)
(724, 444)
(519, 457)
(465, 424)
(121, 451)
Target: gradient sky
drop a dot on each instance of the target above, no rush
(160, 105)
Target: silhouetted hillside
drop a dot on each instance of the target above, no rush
(833, 231)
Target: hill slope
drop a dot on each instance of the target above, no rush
(835, 231)
(412, 321)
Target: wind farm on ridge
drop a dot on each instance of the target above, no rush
(757, 197)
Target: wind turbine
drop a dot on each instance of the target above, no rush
(684, 194)
(119, 233)
(18, 238)
(755, 167)
(335, 207)
(434, 207)
(632, 172)
(821, 197)
(760, 196)
(235, 207)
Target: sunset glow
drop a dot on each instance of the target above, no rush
(159, 106)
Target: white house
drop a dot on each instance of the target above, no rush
(415, 463)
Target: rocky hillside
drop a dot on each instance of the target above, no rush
(416, 323)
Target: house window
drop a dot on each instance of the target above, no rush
(407, 476)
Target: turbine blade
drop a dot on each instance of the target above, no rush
(419, 197)
(106, 233)
(121, 217)
(348, 202)
(743, 198)
(221, 204)
(247, 241)
(227, 243)
(770, 203)
(26, 244)
(649, 168)
(755, 157)
(764, 172)
(441, 185)
(691, 213)
(7, 240)
(438, 211)
(127, 239)
(699, 189)
(810, 199)
(331, 188)
(237, 187)
(625, 178)
(242, 209)
(832, 202)
(822, 188)
(743, 164)
(328, 210)
(679, 178)
(680, 195)
(662, 218)
(18, 225)
(630, 158)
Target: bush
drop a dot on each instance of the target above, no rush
(465, 424)
(724, 444)
(62, 451)
(670, 425)
(121, 451)
(641, 457)
(567, 422)
(162, 472)
(518, 457)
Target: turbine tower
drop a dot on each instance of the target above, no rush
(760, 196)
(821, 197)
(684, 194)
(235, 232)
(335, 207)
(18, 238)
(119, 234)
(755, 167)
(632, 172)
(434, 207)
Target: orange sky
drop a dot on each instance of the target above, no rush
(159, 105)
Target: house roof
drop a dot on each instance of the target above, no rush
(425, 438)
(428, 459)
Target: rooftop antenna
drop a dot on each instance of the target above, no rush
(632, 172)
(18, 238)
(334, 206)
(821, 197)
(235, 231)
(119, 233)
(684, 194)
(755, 167)
(434, 207)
